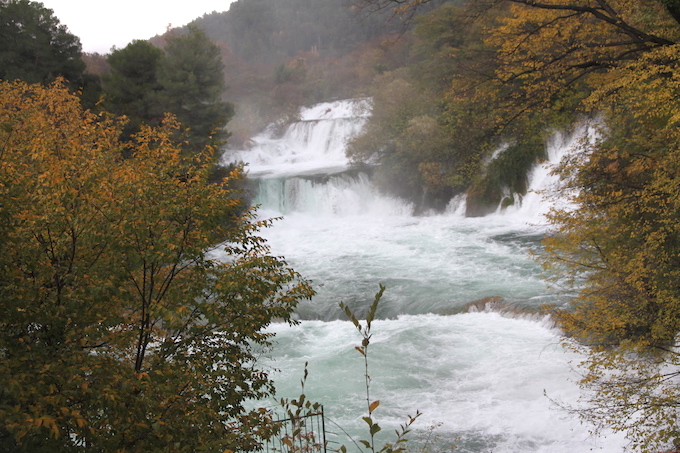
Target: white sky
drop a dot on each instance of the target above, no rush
(101, 24)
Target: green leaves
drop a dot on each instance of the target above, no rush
(35, 47)
(374, 307)
(185, 79)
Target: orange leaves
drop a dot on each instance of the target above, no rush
(545, 48)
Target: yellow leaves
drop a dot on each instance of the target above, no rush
(545, 47)
(105, 261)
(49, 423)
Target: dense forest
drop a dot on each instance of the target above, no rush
(111, 199)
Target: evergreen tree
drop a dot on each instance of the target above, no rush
(185, 79)
(35, 47)
(132, 87)
(192, 78)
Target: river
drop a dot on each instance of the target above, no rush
(487, 373)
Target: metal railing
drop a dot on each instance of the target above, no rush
(299, 434)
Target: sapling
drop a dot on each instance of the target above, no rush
(373, 428)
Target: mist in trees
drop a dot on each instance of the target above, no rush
(276, 30)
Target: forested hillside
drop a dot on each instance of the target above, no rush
(280, 55)
(268, 31)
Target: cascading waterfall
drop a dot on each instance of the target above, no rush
(460, 335)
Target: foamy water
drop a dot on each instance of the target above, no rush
(484, 376)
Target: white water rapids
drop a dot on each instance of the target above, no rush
(482, 373)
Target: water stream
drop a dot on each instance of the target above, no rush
(480, 370)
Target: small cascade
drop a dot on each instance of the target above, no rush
(346, 193)
(315, 144)
(542, 180)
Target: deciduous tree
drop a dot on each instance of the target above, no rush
(618, 249)
(123, 325)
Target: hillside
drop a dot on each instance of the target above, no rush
(282, 54)
(274, 31)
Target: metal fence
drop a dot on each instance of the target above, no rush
(300, 434)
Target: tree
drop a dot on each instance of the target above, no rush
(548, 48)
(193, 84)
(35, 47)
(119, 329)
(619, 250)
(186, 79)
(132, 87)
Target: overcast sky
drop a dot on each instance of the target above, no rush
(102, 24)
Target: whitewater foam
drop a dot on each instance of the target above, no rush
(483, 374)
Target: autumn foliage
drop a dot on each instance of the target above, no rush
(123, 326)
(612, 67)
(617, 246)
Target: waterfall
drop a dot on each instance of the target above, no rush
(314, 144)
(543, 184)
(460, 335)
(305, 169)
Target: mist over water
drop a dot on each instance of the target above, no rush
(480, 369)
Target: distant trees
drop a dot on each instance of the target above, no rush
(275, 30)
(35, 47)
(119, 331)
